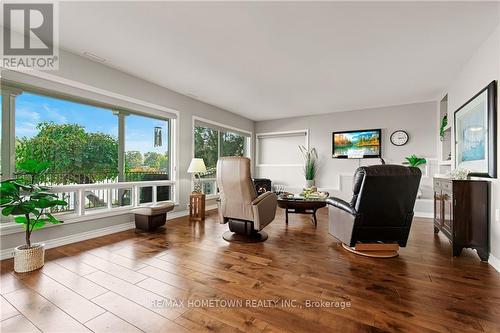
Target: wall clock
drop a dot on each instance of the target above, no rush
(399, 138)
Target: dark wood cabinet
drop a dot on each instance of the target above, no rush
(461, 212)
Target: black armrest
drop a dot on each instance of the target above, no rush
(341, 204)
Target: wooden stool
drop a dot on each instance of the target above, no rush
(197, 206)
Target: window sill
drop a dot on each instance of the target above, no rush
(10, 227)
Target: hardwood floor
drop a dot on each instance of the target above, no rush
(125, 282)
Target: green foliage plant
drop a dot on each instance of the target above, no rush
(310, 162)
(208, 142)
(156, 160)
(415, 161)
(133, 160)
(28, 202)
(73, 155)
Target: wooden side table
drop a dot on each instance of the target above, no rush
(197, 206)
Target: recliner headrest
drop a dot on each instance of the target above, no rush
(391, 170)
(383, 170)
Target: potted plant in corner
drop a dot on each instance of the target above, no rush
(310, 164)
(30, 205)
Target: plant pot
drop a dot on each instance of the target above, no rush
(309, 183)
(29, 259)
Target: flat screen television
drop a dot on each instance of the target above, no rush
(357, 144)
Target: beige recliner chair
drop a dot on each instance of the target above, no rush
(239, 206)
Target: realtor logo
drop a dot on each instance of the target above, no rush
(30, 36)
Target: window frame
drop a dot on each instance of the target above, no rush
(228, 128)
(10, 90)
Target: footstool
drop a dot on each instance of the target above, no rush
(152, 217)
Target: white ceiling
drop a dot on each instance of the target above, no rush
(266, 60)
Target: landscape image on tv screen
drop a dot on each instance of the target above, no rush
(356, 144)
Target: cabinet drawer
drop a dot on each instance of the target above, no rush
(446, 185)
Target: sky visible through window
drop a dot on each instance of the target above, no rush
(139, 134)
(32, 109)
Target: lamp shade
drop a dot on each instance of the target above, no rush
(197, 165)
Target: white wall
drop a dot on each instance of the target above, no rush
(94, 74)
(76, 68)
(335, 176)
(482, 68)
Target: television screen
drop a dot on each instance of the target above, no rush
(357, 144)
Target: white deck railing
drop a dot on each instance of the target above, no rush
(135, 187)
(77, 193)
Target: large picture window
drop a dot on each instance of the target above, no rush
(79, 141)
(87, 143)
(147, 154)
(232, 144)
(213, 141)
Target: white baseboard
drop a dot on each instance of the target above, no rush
(9, 253)
(427, 215)
(65, 240)
(494, 262)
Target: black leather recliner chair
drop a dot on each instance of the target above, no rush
(381, 209)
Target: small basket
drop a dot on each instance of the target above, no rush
(29, 259)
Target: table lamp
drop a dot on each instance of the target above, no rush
(196, 166)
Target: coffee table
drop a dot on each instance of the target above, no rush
(300, 205)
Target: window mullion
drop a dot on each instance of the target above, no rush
(218, 145)
(8, 130)
(219, 141)
(121, 144)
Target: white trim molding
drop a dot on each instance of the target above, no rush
(305, 131)
(208, 121)
(9, 253)
(494, 262)
(7, 228)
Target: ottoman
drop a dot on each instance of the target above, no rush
(152, 217)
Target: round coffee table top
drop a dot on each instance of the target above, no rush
(301, 202)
